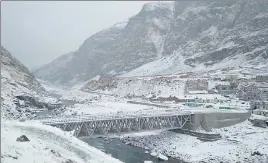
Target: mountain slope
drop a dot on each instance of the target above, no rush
(168, 38)
(15, 79)
(219, 31)
(118, 49)
(207, 36)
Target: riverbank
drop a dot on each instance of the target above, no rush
(125, 153)
(242, 142)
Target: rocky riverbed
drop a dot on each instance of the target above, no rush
(242, 142)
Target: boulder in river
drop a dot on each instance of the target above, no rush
(153, 154)
(127, 143)
(162, 157)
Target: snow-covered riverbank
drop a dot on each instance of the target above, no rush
(47, 144)
(240, 143)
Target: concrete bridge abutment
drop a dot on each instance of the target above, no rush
(215, 120)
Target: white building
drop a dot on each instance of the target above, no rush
(231, 76)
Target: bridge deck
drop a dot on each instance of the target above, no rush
(111, 116)
(120, 122)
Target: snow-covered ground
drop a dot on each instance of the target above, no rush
(238, 143)
(108, 101)
(141, 86)
(47, 144)
(104, 107)
(66, 93)
(147, 86)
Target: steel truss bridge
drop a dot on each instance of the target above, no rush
(122, 122)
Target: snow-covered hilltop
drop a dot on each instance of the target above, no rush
(170, 37)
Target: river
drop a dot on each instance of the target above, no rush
(123, 152)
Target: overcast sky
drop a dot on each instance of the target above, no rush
(38, 32)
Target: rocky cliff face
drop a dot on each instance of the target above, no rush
(170, 38)
(13, 72)
(208, 33)
(15, 79)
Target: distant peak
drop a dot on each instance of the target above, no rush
(156, 5)
(121, 24)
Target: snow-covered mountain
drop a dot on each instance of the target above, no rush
(170, 37)
(15, 79)
(13, 71)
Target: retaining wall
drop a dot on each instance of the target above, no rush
(215, 120)
(207, 136)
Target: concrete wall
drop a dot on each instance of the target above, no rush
(215, 120)
(197, 134)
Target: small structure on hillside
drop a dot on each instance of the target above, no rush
(262, 78)
(196, 85)
(257, 104)
(259, 123)
(253, 92)
(225, 89)
(263, 93)
(249, 92)
(231, 77)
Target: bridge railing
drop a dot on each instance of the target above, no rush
(113, 116)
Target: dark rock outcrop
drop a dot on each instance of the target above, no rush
(22, 138)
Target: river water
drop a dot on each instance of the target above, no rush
(123, 152)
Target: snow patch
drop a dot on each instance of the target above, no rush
(151, 6)
(211, 31)
(122, 24)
